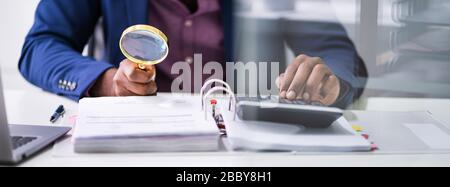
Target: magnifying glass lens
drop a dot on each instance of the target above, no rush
(144, 45)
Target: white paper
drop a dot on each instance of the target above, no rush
(272, 136)
(140, 123)
(431, 135)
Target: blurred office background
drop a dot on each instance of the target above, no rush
(16, 18)
(404, 43)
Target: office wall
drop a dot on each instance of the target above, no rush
(16, 18)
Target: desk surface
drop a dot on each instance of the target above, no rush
(21, 101)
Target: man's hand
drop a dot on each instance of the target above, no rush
(128, 80)
(309, 79)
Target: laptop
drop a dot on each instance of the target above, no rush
(18, 142)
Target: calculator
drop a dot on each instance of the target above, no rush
(277, 110)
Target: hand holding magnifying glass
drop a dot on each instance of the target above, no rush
(144, 46)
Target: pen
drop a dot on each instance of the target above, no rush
(57, 114)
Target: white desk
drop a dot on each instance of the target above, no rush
(29, 105)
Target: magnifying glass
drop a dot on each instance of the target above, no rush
(144, 45)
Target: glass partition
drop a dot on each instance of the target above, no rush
(404, 44)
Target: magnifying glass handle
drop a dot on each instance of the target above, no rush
(142, 67)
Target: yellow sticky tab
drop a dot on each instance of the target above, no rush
(357, 128)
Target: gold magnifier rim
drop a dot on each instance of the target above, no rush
(152, 30)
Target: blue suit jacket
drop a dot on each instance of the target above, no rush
(51, 56)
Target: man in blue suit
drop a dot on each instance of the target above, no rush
(325, 71)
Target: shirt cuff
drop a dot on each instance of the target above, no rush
(345, 95)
